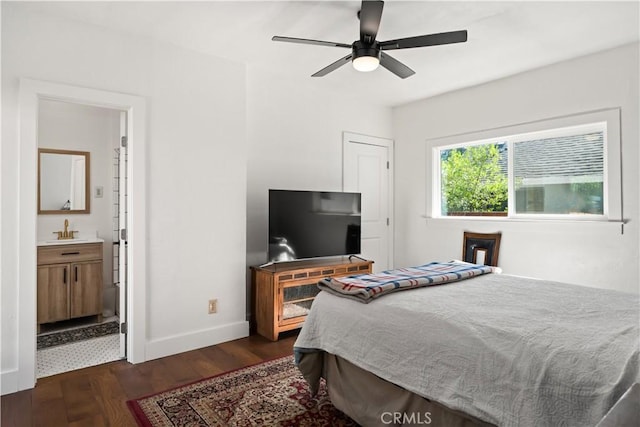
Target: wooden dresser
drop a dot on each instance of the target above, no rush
(69, 282)
(283, 292)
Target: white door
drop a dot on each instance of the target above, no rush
(122, 241)
(366, 169)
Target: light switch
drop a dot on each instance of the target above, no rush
(99, 191)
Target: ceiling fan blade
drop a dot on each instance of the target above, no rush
(370, 15)
(426, 40)
(395, 66)
(329, 68)
(308, 41)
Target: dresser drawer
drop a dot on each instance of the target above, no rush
(69, 253)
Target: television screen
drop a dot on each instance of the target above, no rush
(309, 224)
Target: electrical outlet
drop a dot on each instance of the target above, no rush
(99, 192)
(213, 306)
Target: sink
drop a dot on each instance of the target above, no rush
(65, 241)
(54, 242)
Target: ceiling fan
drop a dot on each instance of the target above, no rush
(367, 53)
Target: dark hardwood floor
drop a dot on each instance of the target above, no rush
(97, 396)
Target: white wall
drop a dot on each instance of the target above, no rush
(295, 142)
(590, 254)
(67, 126)
(196, 171)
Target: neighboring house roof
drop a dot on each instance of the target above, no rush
(560, 160)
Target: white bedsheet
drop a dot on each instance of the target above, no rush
(511, 351)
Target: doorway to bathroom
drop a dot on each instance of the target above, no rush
(31, 93)
(70, 339)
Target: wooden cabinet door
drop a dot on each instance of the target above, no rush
(86, 289)
(53, 293)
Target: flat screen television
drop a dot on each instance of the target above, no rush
(310, 224)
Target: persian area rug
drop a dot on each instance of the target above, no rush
(79, 334)
(272, 393)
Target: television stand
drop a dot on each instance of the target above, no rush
(283, 292)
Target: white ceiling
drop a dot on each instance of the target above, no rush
(504, 37)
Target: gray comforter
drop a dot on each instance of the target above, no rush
(507, 350)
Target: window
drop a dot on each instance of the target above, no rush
(561, 175)
(473, 180)
(561, 172)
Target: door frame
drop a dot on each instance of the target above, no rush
(31, 91)
(357, 138)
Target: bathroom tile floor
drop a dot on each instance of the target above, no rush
(79, 354)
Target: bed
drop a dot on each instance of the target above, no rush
(491, 349)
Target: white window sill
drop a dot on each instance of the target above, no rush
(539, 221)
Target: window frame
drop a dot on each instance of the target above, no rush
(606, 120)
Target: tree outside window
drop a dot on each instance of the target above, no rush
(474, 180)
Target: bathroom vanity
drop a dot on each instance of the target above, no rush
(69, 280)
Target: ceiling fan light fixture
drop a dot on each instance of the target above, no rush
(366, 63)
(366, 56)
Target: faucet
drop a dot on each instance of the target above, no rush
(66, 234)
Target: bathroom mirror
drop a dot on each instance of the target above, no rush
(63, 181)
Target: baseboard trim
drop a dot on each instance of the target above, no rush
(186, 342)
(9, 382)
